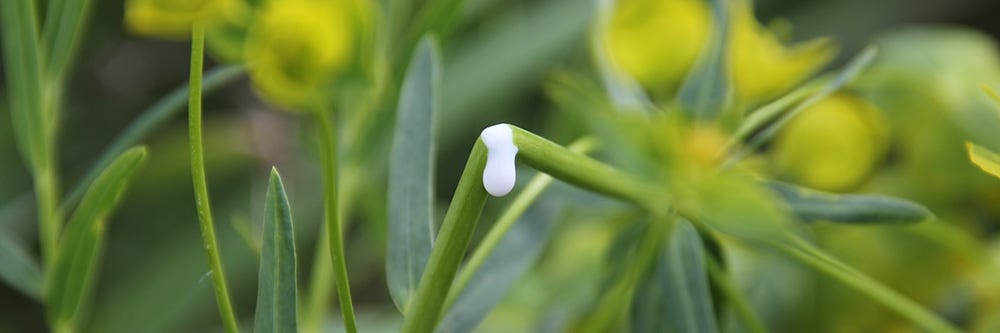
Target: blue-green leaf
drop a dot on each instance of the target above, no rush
(277, 295)
(64, 25)
(622, 89)
(811, 206)
(31, 121)
(411, 176)
(516, 253)
(18, 269)
(71, 280)
(706, 92)
(674, 296)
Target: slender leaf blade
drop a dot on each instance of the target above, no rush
(71, 280)
(24, 82)
(706, 91)
(18, 269)
(513, 257)
(277, 292)
(411, 176)
(674, 296)
(64, 25)
(985, 159)
(812, 206)
(622, 89)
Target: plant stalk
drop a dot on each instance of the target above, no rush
(528, 195)
(819, 260)
(331, 212)
(200, 183)
(449, 247)
(585, 172)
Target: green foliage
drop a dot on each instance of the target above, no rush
(683, 203)
(411, 176)
(450, 245)
(148, 121)
(18, 269)
(707, 92)
(70, 283)
(812, 206)
(674, 296)
(31, 120)
(277, 291)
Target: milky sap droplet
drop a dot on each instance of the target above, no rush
(499, 176)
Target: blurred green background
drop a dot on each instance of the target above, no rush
(496, 68)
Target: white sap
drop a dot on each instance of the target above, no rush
(499, 176)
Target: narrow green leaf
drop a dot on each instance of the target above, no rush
(277, 293)
(674, 296)
(706, 92)
(622, 89)
(64, 25)
(149, 120)
(411, 176)
(24, 81)
(985, 159)
(18, 269)
(71, 280)
(811, 206)
(514, 255)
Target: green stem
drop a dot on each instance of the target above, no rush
(585, 172)
(470, 196)
(49, 219)
(319, 285)
(321, 279)
(450, 245)
(331, 213)
(812, 256)
(735, 296)
(528, 195)
(200, 183)
(149, 120)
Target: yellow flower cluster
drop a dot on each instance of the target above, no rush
(658, 41)
(296, 50)
(168, 19)
(296, 47)
(833, 145)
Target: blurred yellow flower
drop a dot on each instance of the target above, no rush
(657, 41)
(169, 19)
(833, 145)
(295, 48)
(761, 66)
(225, 33)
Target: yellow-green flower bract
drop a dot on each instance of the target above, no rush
(168, 19)
(833, 145)
(297, 49)
(657, 42)
(762, 67)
